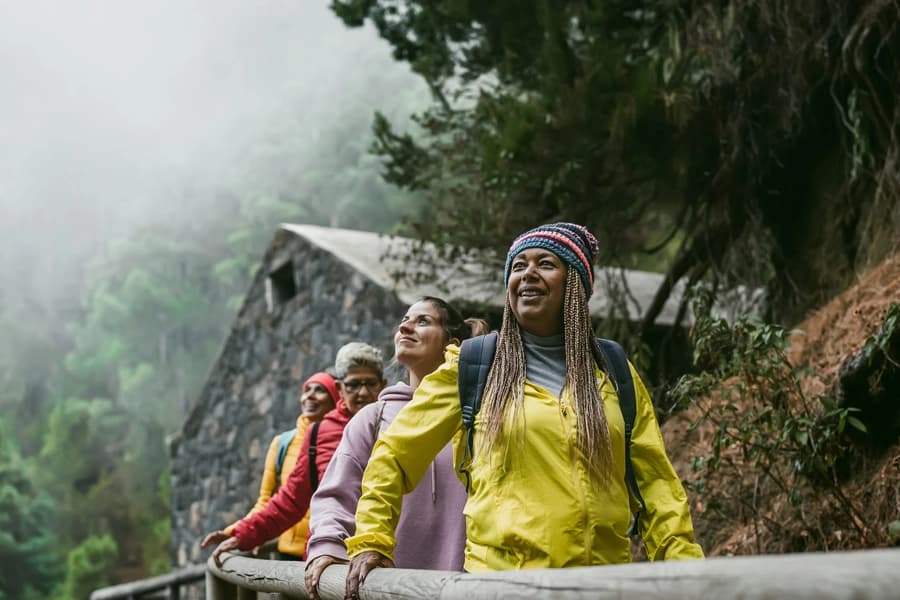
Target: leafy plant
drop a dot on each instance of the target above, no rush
(766, 435)
(882, 338)
(88, 567)
(688, 135)
(28, 546)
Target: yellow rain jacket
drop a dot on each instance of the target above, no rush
(293, 540)
(541, 509)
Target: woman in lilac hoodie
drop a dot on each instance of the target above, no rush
(432, 529)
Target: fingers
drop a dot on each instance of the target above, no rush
(351, 587)
(314, 573)
(215, 556)
(213, 538)
(312, 583)
(360, 567)
(228, 545)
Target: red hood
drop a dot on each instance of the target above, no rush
(340, 413)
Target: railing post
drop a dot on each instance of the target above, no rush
(246, 594)
(216, 589)
(175, 592)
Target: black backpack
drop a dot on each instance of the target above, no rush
(475, 358)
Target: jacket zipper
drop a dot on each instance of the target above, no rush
(573, 456)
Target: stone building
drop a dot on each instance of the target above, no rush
(316, 289)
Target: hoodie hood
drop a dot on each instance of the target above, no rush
(399, 392)
(432, 511)
(339, 413)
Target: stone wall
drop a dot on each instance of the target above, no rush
(252, 391)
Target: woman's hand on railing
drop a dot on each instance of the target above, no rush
(314, 571)
(216, 537)
(360, 566)
(229, 545)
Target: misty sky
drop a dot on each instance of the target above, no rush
(108, 106)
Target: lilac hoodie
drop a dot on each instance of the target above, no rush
(431, 533)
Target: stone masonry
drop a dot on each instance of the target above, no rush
(253, 389)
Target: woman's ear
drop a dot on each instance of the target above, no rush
(454, 340)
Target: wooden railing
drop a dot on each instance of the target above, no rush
(863, 574)
(167, 586)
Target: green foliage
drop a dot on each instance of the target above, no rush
(28, 547)
(93, 387)
(82, 465)
(894, 531)
(679, 132)
(88, 567)
(882, 338)
(154, 315)
(539, 111)
(155, 551)
(768, 436)
(32, 336)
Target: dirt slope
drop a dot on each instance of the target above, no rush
(855, 517)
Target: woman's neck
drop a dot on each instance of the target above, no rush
(414, 379)
(419, 372)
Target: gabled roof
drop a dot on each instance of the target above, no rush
(470, 279)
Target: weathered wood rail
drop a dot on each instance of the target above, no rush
(171, 585)
(167, 586)
(863, 574)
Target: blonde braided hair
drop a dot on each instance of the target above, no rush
(504, 390)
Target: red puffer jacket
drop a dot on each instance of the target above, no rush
(291, 502)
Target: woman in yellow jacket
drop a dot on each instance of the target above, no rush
(319, 396)
(548, 486)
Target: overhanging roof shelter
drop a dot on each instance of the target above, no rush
(472, 279)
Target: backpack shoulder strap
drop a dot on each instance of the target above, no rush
(313, 468)
(476, 355)
(284, 442)
(379, 417)
(615, 358)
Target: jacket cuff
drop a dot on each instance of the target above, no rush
(371, 542)
(244, 535)
(326, 547)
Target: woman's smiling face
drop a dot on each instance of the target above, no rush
(536, 290)
(420, 338)
(315, 401)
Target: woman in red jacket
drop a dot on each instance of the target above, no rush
(360, 369)
(319, 397)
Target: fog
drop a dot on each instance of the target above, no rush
(109, 108)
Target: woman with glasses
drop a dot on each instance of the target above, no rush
(360, 369)
(431, 533)
(319, 396)
(548, 484)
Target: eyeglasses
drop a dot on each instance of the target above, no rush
(353, 386)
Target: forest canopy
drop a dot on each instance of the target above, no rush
(690, 135)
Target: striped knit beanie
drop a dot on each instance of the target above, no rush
(574, 244)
